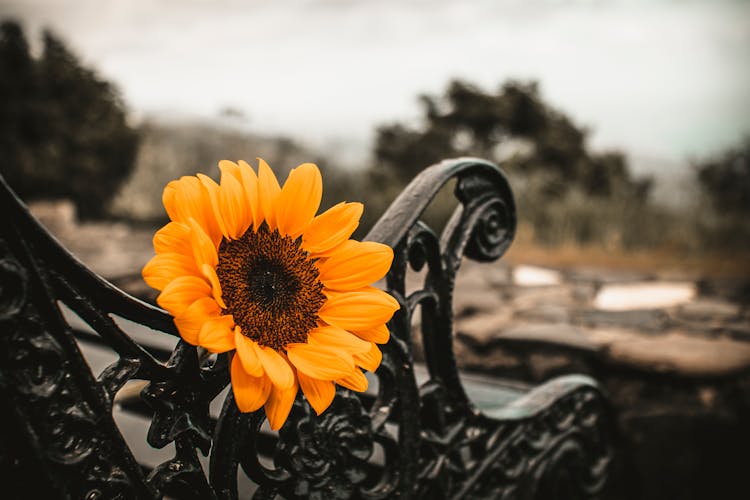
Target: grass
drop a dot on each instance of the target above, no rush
(662, 261)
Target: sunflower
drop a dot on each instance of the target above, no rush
(247, 266)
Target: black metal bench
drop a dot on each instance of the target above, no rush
(100, 399)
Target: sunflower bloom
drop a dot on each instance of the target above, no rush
(247, 266)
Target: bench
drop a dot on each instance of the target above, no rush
(101, 399)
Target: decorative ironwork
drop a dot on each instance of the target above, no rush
(327, 456)
(405, 440)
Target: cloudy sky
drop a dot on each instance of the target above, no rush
(662, 79)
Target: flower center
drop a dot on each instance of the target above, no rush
(270, 286)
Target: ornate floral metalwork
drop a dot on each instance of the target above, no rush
(51, 396)
(404, 440)
(327, 455)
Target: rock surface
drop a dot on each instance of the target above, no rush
(676, 352)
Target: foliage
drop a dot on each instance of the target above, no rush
(513, 126)
(64, 128)
(544, 151)
(724, 181)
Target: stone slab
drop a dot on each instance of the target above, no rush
(601, 276)
(646, 320)
(644, 295)
(473, 301)
(482, 328)
(556, 334)
(536, 276)
(525, 297)
(709, 310)
(545, 313)
(492, 330)
(679, 353)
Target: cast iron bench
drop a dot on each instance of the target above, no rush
(100, 399)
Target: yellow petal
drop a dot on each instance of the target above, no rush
(209, 273)
(279, 405)
(320, 362)
(190, 322)
(173, 238)
(378, 334)
(230, 168)
(358, 310)
(247, 355)
(299, 200)
(336, 338)
(233, 202)
(275, 366)
(165, 267)
(204, 249)
(181, 292)
(268, 193)
(250, 185)
(319, 393)
(369, 360)
(217, 334)
(183, 199)
(355, 264)
(169, 200)
(331, 228)
(186, 198)
(250, 392)
(213, 191)
(355, 381)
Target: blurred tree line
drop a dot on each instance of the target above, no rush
(566, 193)
(564, 190)
(514, 126)
(725, 182)
(64, 129)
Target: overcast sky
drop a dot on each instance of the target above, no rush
(661, 79)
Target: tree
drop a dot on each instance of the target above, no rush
(65, 129)
(565, 192)
(725, 180)
(466, 120)
(19, 107)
